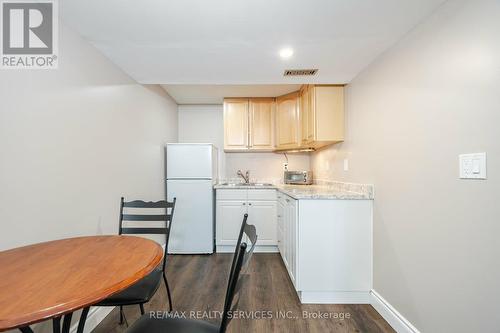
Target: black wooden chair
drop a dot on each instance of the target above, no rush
(241, 258)
(142, 291)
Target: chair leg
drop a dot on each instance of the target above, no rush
(83, 318)
(67, 322)
(168, 293)
(122, 316)
(56, 325)
(142, 308)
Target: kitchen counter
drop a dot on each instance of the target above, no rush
(321, 192)
(241, 186)
(327, 190)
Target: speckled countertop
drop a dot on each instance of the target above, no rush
(324, 190)
(239, 186)
(320, 192)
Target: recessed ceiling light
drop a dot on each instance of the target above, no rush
(286, 53)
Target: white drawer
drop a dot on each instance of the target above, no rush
(256, 194)
(231, 194)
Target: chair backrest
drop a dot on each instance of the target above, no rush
(167, 218)
(238, 243)
(241, 260)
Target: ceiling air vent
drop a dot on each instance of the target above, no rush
(300, 72)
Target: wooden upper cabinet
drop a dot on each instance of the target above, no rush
(304, 110)
(287, 121)
(261, 123)
(322, 115)
(328, 105)
(249, 124)
(310, 118)
(236, 123)
(311, 115)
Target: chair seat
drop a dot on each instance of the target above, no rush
(145, 324)
(140, 292)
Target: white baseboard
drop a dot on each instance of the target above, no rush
(334, 297)
(95, 316)
(399, 323)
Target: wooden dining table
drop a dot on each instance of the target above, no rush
(51, 280)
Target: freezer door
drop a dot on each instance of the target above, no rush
(193, 225)
(190, 161)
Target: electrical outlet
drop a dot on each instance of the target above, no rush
(285, 166)
(346, 164)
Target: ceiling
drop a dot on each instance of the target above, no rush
(237, 42)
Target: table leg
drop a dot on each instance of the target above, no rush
(26, 329)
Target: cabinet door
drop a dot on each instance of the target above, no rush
(287, 130)
(289, 253)
(229, 218)
(235, 124)
(280, 219)
(311, 114)
(304, 114)
(261, 123)
(292, 255)
(262, 214)
(329, 113)
(286, 236)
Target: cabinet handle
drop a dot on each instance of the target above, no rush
(244, 203)
(279, 215)
(249, 204)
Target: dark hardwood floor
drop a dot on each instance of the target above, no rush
(198, 283)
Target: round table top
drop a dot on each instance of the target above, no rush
(47, 280)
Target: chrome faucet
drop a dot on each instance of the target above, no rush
(246, 176)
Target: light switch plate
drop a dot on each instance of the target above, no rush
(472, 166)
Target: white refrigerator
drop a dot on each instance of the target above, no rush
(191, 174)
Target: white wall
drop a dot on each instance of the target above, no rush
(204, 123)
(432, 97)
(75, 139)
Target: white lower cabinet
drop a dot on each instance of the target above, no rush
(326, 246)
(229, 219)
(287, 234)
(262, 214)
(280, 235)
(260, 205)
